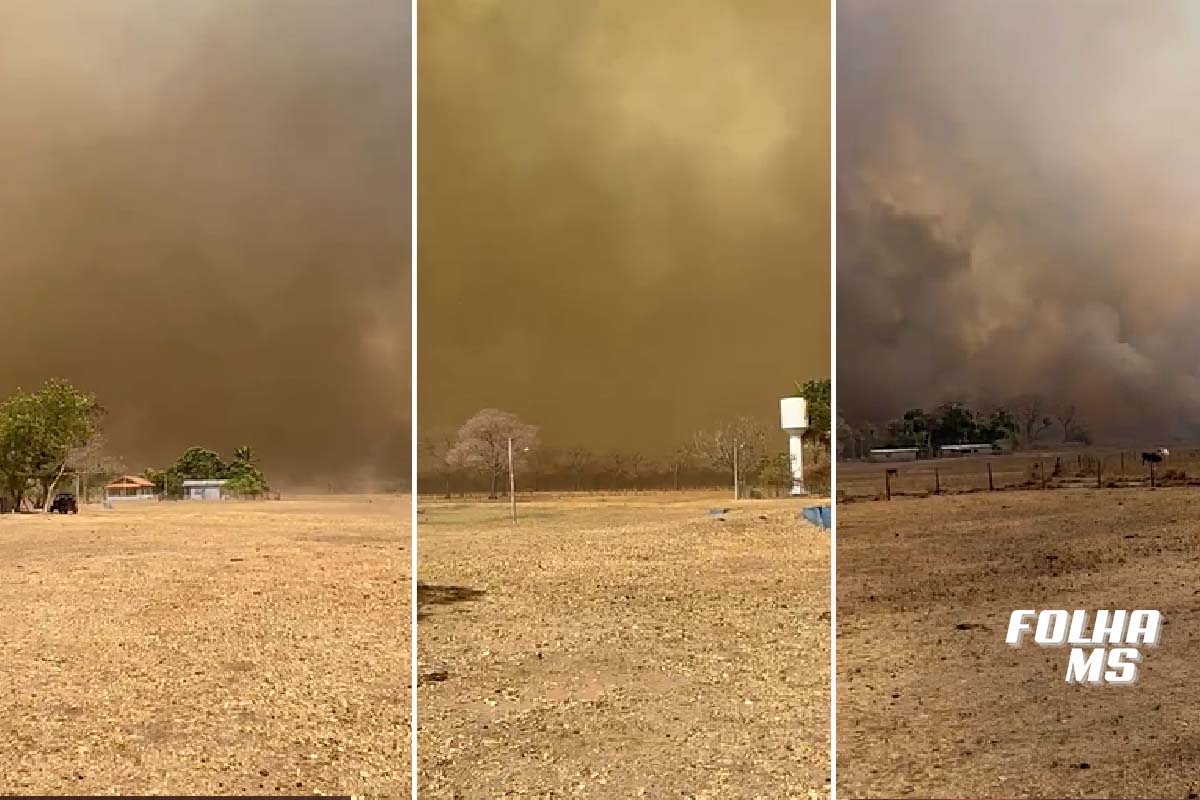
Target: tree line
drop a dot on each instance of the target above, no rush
(1024, 421)
(52, 437)
(475, 457)
(242, 476)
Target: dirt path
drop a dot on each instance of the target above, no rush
(628, 648)
(932, 703)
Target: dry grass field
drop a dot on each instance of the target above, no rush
(622, 647)
(192, 648)
(933, 703)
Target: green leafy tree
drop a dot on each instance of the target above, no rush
(200, 464)
(17, 450)
(40, 433)
(776, 473)
(953, 423)
(244, 478)
(913, 429)
(71, 420)
(167, 482)
(246, 481)
(999, 424)
(818, 397)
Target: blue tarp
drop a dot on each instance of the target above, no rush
(818, 515)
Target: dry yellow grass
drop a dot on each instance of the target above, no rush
(226, 648)
(933, 703)
(618, 647)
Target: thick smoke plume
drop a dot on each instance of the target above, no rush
(1016, 208)
(204, 218)
(624, 213)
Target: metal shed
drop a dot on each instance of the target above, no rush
(893, 454)
(204, 490)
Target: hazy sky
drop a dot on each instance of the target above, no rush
(623, 213)
(204, 218)
(1017, 207)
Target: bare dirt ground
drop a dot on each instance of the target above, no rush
(215, 648)
(623, 647)
(933, 703)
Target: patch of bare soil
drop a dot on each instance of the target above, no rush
(226, 648)
(933, 703)
(628, 647)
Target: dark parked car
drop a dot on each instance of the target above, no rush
(64, 503)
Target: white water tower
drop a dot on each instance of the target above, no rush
(793, 418)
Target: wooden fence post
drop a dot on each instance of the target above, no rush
(1100, 472)
(991, 484)
(937, 481)
(1042, 464)
(887, 482)
(1153, 483)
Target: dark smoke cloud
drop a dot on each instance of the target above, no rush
(204, 218)
(1016, 198)
(624, 213)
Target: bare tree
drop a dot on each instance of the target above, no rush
(618, 468)
(1066, 418)
(847, 439)
(636, 464)
(540, 463)
(1031, 414)
(870, 433)
(92, 459)
(737, 447)
(432, 450)
(627, 469)
(681, 459)
(483, 441)
(577, 461)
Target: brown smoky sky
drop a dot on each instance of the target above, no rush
(204, 218)
(623, 213)
(1017, 208)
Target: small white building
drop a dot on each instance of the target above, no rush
(893, 454)
(976, 449)
(204, 490)
(130, 487)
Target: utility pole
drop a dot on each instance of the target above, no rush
(737, 485)
(512, 482)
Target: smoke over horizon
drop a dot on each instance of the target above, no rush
(204, 220)
(624, 214)
(1016, 197)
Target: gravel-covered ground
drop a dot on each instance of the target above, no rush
(933, 703)
(620, 647)
(225, 648)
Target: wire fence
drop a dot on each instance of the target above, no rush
(1042, 472)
